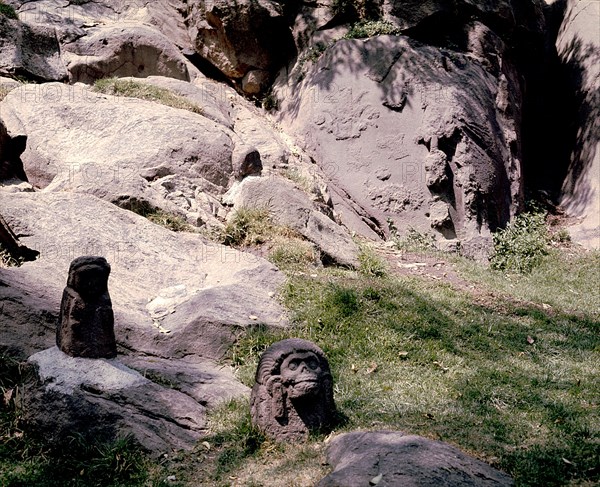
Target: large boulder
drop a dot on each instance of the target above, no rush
(413, 136)
(246, 40)
(161, 282)
(102, 399)
(31, 51)
(123, 51)
(392, 458)
(291, 207)
(578, 47)
(124, 150)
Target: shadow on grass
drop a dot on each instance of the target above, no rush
(520, 382)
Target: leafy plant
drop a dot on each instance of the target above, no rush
(522, 245)
(8, 11)
(370, 264)
(370, 28)
(144, 91)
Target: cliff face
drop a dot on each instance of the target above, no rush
(578, 49)
(400, 114)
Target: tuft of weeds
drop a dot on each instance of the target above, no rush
(144, 91)
(371, 28)
(249, 226)
(370, 264)
(414, 241)
(293, 254)
(8, 11)
(522, 245)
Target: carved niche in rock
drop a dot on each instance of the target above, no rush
(293, 391)
(86, 320)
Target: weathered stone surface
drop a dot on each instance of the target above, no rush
(32, 51)
(292, 207)
(578, 48)
(293, 392)
(240, 37)
(104, 400)
(86, 322)
(392, 458)
(381, 112)
(232, 290)
(73, 139)
(207, 382)
(123, 51)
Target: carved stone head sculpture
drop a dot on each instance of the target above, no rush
(86, 320)
(293, 391)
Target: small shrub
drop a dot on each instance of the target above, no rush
(414, 241)
(143, 91)
(370, 264)
(370, 28)
(8, 11)
(291, 253)
(248, 226)
(522, 245)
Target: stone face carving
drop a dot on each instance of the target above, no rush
(86, 320)
(293, 391)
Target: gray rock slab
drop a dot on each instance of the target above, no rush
(147, 262)
(104, 399)
(292, 207)
(392, 459)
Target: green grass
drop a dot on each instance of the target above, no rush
(144, 91)
(8, 11)
(511, 383)
(508, 373)
(371, 28)
(156, 215)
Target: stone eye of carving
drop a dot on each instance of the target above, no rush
(312, 364)
(293, 365)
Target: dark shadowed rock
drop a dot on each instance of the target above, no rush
(30, 50)
(293, 392)
(394, 459)
(241, 37)
(103, 400)
(86, 321)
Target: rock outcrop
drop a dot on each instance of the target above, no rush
(578, 47)
(101, 399)
(392, 458)
(419, 136)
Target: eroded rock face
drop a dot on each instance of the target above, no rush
(412, 134)
(86, 321)
(31, 51)
(578, 47)
(392, 458)
(105, 400)
(293, 393)
(242, 39)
